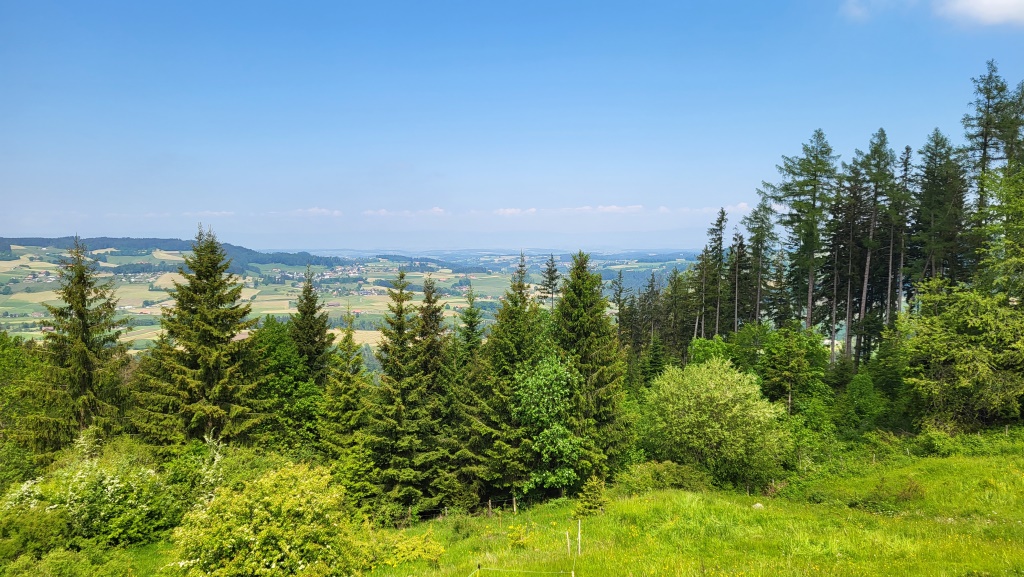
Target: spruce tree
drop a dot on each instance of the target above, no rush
(290, 401)
(471, 332)
(515, 342)
(310, 330)
(398, 415)
(940, 214)
(344, 416)
(201, 377)
(809, 182)
(549, 286)
(84, 349)
(584, 331)
(760, 225)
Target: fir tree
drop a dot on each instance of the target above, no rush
(808, 185)
(398, 416)
(515, 342)
(584, 331)
(84, 349)
(200, 377)
(549, 286)
(310, 330)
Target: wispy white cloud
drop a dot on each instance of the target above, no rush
(316, 211)
(433, 211)
(515, 211)
(621, 209)
(983, 11)
(987, 12)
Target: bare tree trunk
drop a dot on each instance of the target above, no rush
(835, 297)
(867, 278)
(810, 293)
(736, 297)
(888, 288)
(757, 304)
(899, 289)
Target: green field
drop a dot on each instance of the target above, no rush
(941, 517)
(955, 516)
(141, 296)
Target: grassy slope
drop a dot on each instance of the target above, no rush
(954, 516)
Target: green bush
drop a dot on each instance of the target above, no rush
(714, 417)
(643, 478)
(118, 504)
(291, 521)
(28, 526)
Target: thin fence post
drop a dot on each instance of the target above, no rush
(568, 546)
(489, 512)
(515, 510)
(579, 537)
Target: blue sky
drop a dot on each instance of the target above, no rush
(472, 124)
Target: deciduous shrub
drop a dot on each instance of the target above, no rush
(292, 521)
(714, 417)
(643, 478)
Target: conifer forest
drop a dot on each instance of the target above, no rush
(833, 386)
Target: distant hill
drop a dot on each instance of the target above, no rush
(242, 258)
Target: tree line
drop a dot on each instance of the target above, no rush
(879, 293)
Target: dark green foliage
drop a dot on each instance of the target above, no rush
(309, 329)
(199, 373)
(84, 352)
(583, 330)
(860, 407)
(937, 249)
(515, 342)
(289, 397)
(549, 285)
(26, 419)
(791, 367)
(399, 416)
(471, 330)
(808, 185)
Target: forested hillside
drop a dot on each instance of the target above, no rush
(866, 306)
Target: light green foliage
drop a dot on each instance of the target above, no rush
(713, 416)
(592, 498)
(703, 350)
(117, 503)
(96, 495)
(547, 403)
(964, 357)
(88, 562)
(292, 521)
(642, 478)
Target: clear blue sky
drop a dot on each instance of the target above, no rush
(473, 124)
